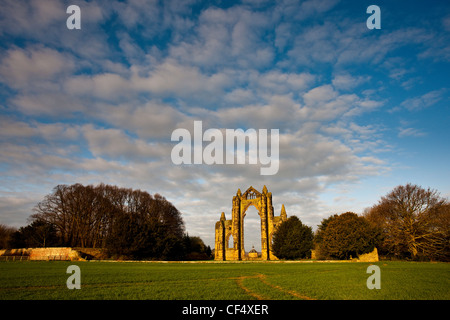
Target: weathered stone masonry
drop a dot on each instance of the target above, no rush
(229, 237)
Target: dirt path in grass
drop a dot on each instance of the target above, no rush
(240, 283)
(291, 292)
(263, 279)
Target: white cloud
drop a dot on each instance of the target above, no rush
(171, 78)
(49, 103)
(279, 82)
(424, 101)
(13, 130)
(324, 104)
(227, 37)
(36, 15)
(16, 207)
(410, 132)
(347, 82)
(312, 7)
(107, 86)
(152, 120)
(116, 145)
(23, 68)
(319, 95)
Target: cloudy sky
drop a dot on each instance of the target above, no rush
(359, 111)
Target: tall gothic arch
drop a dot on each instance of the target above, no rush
(233, 230)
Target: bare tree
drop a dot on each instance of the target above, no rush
(113, 217)
(415, 222)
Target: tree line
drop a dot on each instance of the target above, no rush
(410, 222)
(126, 223)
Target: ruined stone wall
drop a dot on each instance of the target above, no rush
(367, 257)
(234, 228)
(59, 253)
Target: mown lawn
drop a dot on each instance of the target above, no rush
(224, 281)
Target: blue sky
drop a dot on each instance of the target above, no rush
(359, 111)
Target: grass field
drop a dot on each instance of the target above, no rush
(224, 281)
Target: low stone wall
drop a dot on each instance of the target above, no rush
(91, 253)
(15, 252)
(367, 257)
(58, 253)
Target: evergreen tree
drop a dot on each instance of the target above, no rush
(347, 235)
(292, 240)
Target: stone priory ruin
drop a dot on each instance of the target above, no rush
(229, 238)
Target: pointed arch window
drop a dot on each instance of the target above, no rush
(230, 242)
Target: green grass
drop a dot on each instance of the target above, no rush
(224, 281)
